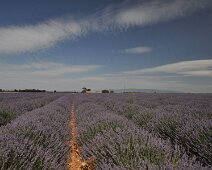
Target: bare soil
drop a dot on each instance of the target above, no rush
(75, 161)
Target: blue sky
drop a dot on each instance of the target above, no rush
(69, 44)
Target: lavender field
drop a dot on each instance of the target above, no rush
(119, 131)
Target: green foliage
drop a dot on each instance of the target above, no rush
(150, 105)
(105, 91)
(30, 90)
(154, 156)
(131, 101)
(84, 90)
(6, 116)
(144, 118)
(127, 156)
(127, 153)
(99, 128)
(129, 114)
(151, 154)
(38, 164)
(16, 161)
(12, 161)
(38, 138)
(167, 128)
(199, 114)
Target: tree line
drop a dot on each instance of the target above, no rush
(23, 90)
(86, 90)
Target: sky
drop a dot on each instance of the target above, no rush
(66, 45)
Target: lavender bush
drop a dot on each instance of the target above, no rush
(15, 104)
(118, 143)
(121, 131)
(185, 119)
(37, 139)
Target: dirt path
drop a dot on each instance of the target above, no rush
(75, 161)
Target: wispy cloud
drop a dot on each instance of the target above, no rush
(43, 70)
(186, 68)
(31, 38)
(154, 11)
(137, 50)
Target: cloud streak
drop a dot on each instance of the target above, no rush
(155, 11)
(137, 50)
(38, 37)
(31, 38)
(202, 68)
(43, 70)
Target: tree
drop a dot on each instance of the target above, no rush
(84, 89)
(1, 90)
(105, 91)
(111, 91)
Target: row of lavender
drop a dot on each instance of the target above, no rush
(119, 143)
(14, 104)
(185, 119)
(37, 139)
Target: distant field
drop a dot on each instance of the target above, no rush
(119, 131)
